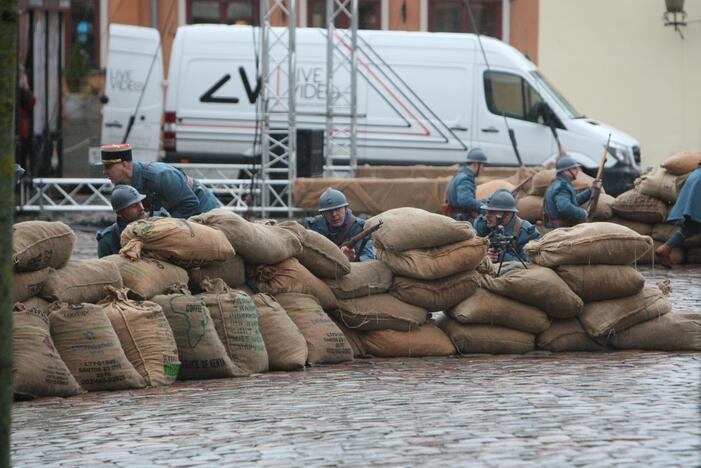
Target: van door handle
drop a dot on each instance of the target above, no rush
(490, 130)
(459, 128)
(114, 124)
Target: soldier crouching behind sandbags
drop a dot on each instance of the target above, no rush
(561, 201)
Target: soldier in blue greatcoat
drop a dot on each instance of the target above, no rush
(561, 201)
(460, 202)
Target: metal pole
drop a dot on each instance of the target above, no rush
(330, 31)
(354, 87)
(291, 98)
(265, 127)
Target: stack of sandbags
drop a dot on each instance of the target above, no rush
(674, 331)
(232, 271)
(147, 277)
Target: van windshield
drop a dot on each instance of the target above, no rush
(555, 94)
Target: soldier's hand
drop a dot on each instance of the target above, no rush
(493, 255)
(596, 184)
(348, 252)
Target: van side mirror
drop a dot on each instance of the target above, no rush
(104, 99)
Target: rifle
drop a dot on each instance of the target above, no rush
(522, 184)
(596, 191)
(362, 235)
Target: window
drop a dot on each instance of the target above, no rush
(453, 16)
(223, 11)
(510, 95)
(369, 15)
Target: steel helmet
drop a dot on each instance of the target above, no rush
(501, 200)
(332, 199)
(476, 155)
(564, 163)
(123, 196)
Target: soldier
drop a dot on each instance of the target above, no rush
(164, 186)
(561, 203)
(460, 203)
(337, 223)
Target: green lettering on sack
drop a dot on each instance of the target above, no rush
(171, 370)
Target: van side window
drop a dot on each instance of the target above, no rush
(509, 94)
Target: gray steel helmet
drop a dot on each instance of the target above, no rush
(331, 199)
(123, 196)
(501, 200)
(476, 155)
(564, 163)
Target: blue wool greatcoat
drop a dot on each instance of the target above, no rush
(562, 202)
(526, 233)
(461, 193)
(688, 205)
(318, 223)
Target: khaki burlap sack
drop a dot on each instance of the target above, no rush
(644, 229)
(587, 244)
(259, 244)
(353, 340)
(436, 295)
(485, 307)
(635, 206)
(326, 344)
(604, 207)
(37, 367)
(236, 321)
(678, 255)
(676, 331)
(544, 178)
(521, 174)
(530, 208)
(682, 163)
(364, 279)
(379, 312)
(567, 335)
(290, 276)
(601, 282)
(88, 344)
(692, 255)
(663, 231)
(437, 262)
(605, 318)
(487, 189)
(286, 346)
(427, 340)
(29, 284)
(201, 351)
(539, 287)
(319, 255)
(41, 244)
(81, 281)
(660, 184)
(37, 303)
(147, 277)
(177, 241)
(231, 271)
(145, 335)
(486, 339)
(413, 228)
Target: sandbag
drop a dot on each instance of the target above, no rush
(88, 344)
(353, 338)
(81, 281)
(232, 271)
(485, 307)
(487, 189)
(604, 207)
(436, 295)
(486, 339)
(285, 344)
(319, 255)
(29, 284)
(660, 184)
(663, 231)
(682, 163)
(539, 287)
(427, 340)
(290, 276)
(676, 331)
(590, 243)
(530, 208)
(145, 336)
(601, 282)
(567, 335)
(379, 312)
(40, 244)
(236, 321)
(365, 278)
(174, 240)
(326, 344)
(635, 206)
(644, 229)
(259, 244)
(692, 255)
(37, 303)
(147, 277)
(413, 228)
(37, 367)
(677, 255)
(605, 318)
(542, 180)
(437, 262)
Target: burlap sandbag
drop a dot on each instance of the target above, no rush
(37, 303)
(567, 335)
(413, 228)
(437, 262)
(601, 282)
(379, 312)
(486, 339)
(365, 278)
(29, 284)
(81, 281)
(236, 321)
(37, 367)
(543, 179)
(487, 189)
(539, 287)
(259, 244)
(290, 276)
(319, 255)
(232, 271)
(487, 308)
(89, 346)
(286, 346)
(677, 256)
(41, 244)
(353, 338)
(635, 206)
(588, 244)
(682, 163)
(177, 241)
(436, 295)
(604, 318)
(663, 231)
(644, 229)
(147, 277)
(660, 184)
(530, 208)
(676, 331)
(604, 207)
(693, 255)
(201, 351)
(326, 344)
(427, 340)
